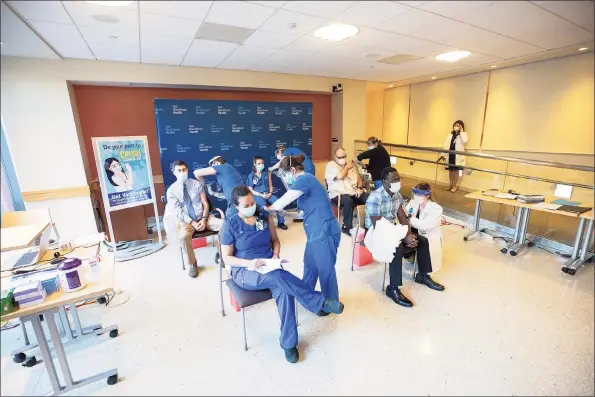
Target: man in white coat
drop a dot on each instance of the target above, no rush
(425, 217)
(386, 202)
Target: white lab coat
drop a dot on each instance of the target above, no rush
(460, 142)
(428, 226)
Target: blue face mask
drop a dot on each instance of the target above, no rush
(247, 211)
(259, 167)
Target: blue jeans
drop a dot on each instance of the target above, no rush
(286, 288)
(377, 184)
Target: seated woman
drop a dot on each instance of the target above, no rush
(425, 216)
(249, 237)
(260, 183)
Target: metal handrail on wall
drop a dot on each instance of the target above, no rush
(493, 157)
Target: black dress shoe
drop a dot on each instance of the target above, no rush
(346, 231)
(322, 313)
(282, 226)
(397, 296)
(292, 355)
(426, 280)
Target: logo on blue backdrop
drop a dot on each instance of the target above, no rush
(217, 129)
(263, 145)
(245, 145)
(226, 147)
(169, 130)
(274, 127)
(237, 128)
(261, 110)
(192, 129)
(178, 110)
(255, 128)
(204, 148)
(279, 111)
(243, 110)
(296, 111)
(202, 110)
(183, 149)
(306, 127)
(290, 127)
(223, 110)
(310, 111)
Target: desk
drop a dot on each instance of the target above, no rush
(520, 232)
(54, 306)
(21, 236)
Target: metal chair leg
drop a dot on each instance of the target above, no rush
(383, 276)
(244, 329)
(354, 242)
(182, 255)
(221, 282)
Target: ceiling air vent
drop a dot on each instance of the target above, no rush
(229, 34)
(399, 59)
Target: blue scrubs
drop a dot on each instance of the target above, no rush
(323, 235)
(228, 177)
(308, 164)
(261, 185)
(251, 243)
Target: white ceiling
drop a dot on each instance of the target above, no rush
(163, 32)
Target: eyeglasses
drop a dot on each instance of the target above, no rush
(341, 158)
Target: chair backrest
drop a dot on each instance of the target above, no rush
(19, 218)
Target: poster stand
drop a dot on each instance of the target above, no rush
(123, 186)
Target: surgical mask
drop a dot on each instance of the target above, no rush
(418, 199)
(182, 176)
(118, 168)
(341, 161)
(259, 167)
(457, 129)
(247, 211)
(395, 187)
(370, 147)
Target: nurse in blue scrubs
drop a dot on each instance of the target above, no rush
(323, 232)
(227, 177)
(249, 237)
(260, 183)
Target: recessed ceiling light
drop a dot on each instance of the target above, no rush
(433, 77)
(494, 66)
(453, 56)
(583, 49)
(106, 18)
(336, 32)
(1, 43)
(110, 3)
(391, 86)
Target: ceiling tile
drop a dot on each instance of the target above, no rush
(115, 52)
(196, 10)
(270, 39)
(287, 56)
(245, 57)
(133, 6)
(113, 36)
(237, 13)
(525, 21)
(95, 16)
(325, 9)
(65, 39)
(452, 8)
(358, 52)
(309, 44)
(48, 11)
(18, 38)
(171, 26)
(372, 13)
(413, 3)
(580, 12)
(165, 50)
(476, 59)
(282, 22)
(208, 53)
(275, 4)
(419, 24)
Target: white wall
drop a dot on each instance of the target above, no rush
(41, 128)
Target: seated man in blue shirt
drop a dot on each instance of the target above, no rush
(188, 200)
(386, 202)
(227, 176)
(248, 238)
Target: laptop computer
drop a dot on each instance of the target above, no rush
(32, 255)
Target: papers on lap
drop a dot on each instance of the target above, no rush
(271, 264)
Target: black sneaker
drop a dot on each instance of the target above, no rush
(282, 226)
(292, 355)
(322, 313)
(332, 306)
(426, 280)
(397, 296)
(346, 231)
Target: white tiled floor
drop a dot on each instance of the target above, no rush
(504, 326)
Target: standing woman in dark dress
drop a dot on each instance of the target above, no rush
(379, 160)
(456, 140)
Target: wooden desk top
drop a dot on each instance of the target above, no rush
(516, 203)
(96, 285)
(17, 237)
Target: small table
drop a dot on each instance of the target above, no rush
(17, 237)
(520, 231)
(54, 306)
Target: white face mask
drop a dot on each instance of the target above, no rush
(395, 187)
(118, 168)
(457, 129)
(247, 211)
(370, 147)
(182, 176)
(418, 199)
(341, 161)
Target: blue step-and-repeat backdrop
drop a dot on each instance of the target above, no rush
(195, 131)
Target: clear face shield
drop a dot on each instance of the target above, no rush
(418, 196)
(285, 176)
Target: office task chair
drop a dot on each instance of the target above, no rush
(241, 298)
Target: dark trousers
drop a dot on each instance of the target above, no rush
(424, 263)
(348, 203)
